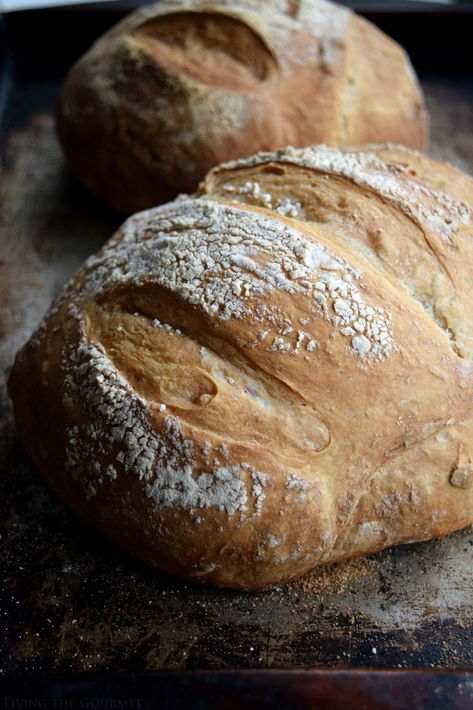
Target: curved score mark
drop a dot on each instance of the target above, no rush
(213, 49)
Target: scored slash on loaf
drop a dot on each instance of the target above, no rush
(268, 375)
(178, 87)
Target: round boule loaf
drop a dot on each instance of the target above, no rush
(178, 87)
(269, 375)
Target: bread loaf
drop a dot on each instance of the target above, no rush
(178, 87)
(269, 375)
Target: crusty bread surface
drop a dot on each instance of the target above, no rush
(178, 87)
(268, 375)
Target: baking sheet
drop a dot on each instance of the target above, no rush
(71, 602)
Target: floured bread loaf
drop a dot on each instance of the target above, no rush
(180, 86)
(270, 375)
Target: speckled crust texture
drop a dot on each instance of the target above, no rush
(178, 87)
(271, 374)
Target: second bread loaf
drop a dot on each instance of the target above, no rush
(179, 87)
(268, 375)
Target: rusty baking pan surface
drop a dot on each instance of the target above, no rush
(71, 602)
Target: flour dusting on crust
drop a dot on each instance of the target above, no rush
(158, 454)
(225, 260)
(443, 218)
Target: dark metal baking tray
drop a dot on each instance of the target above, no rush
(71, 602)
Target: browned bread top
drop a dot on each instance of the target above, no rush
(178, 87)
(271, 374)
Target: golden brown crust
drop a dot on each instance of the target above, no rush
(272, 374)
(177, 88)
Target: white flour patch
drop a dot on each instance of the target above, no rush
(443, 217)
(119, 420)
(284, 206)
(225, 260)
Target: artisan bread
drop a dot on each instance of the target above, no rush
(269, 375)
(178, 87)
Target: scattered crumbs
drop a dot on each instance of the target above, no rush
(274, 541)
(293, 482)
(284, 206)
(260, 481)
(311, 346)
(288, 207)
(280, 345)
(111, 472)
(166, 327)
(300, 338)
